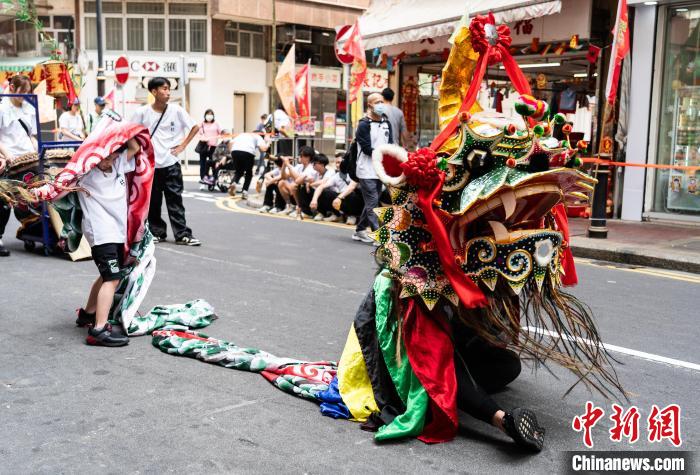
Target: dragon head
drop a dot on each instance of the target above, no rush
(494, 198)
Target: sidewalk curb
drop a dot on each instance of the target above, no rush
(640, 256)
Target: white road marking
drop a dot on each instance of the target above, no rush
(620, 349)
(199, 196)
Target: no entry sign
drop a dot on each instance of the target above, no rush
(343, 34)
(121, 70)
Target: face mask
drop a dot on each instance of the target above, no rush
(380, 109)
(209, 117)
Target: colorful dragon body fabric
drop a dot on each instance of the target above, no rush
(476, 243)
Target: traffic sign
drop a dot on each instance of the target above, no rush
(342, 35)
(121, 70)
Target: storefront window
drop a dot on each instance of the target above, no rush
(678, 190)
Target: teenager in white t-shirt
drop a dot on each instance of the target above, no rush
(313, 179)
(244, 148)
(172, 129)
(17, 136)
(70, 124)
(105, 210)
(337, 196)
(294, 176)
(273, 202)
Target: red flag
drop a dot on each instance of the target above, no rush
(353, 46)
(620, 48)
(109, 97)
(302, 92)
(68, 82)
(593, 53)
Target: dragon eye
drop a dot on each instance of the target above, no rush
(479, 162)
(539, 162)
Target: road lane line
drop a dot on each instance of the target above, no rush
(618, 349)
(229, 204)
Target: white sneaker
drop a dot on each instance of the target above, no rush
(305, 216)
(264, 209)
(244, 195)
(293, 214)
(351, 220)
(275, 211)
(290, 210)
(202, 187)
(333, 219)
(361, 236)
(319, 217)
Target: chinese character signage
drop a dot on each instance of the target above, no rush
(329, 78)
(376, 80)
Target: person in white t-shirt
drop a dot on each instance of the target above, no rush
(105, 212)
(313, 179)
(284, 129)
(70, 124)
(17, 136)
(338, 196)
(273, 202)
(244, 148)
(295, 176)
(172, 129)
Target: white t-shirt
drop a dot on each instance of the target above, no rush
(247, 142)
(175, 125)
(12, 135)
(299, 168)
(337, 183)
(281, 119)
(73, 123)
(310, 173)
(105, 208)
(379, 135)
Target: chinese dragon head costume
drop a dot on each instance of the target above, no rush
(477, 237)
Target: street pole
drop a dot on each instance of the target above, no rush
(100, 60)
(348, 122)
(273, 56)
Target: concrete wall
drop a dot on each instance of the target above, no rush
(320, 13)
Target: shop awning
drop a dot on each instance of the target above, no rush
(390, 22)
(17, 65)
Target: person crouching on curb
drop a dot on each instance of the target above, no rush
(104, 226)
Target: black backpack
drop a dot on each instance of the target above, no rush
(349, 163)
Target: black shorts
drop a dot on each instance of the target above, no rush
(109, 259)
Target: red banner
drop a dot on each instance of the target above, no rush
(353, 46)
(302, 92)
(620, 48)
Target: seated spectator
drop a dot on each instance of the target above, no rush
(274, 202)
(312, 181)
(337, 197)
(293, 176)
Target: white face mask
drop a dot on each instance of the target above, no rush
(209, 117)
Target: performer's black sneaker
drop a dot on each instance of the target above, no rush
(521, 425)
(84, 318)
(188, 241)
(105, 337)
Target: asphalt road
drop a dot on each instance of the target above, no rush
(290, 288)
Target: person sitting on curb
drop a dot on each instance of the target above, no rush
(307, 189)
(274, 202)
(296, 175)
(337, 196)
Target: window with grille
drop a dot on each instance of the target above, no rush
(90, 32)
(187, 8)
(107, 7)
(145, 8)
(114, 35)
(156, 34)
(134, 34)
(178, 34)
(244, 40)
(198, 36)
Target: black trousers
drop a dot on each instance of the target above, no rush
(205, 161)
(351, 205)
(243, 165)
(481, 369)
(305, 198)
(273, 197)
(4, 217)
(168, 182)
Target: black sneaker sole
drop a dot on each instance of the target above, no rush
(92, 341)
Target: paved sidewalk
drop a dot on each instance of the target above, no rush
(668, 246)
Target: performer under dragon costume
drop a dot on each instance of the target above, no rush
(473, 254)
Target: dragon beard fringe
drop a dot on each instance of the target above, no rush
(554, 326)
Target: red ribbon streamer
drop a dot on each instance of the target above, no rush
(468, 292)
(431, 354)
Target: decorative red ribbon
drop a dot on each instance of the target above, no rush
(431, 354)
(492, 43)
(567, 260)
